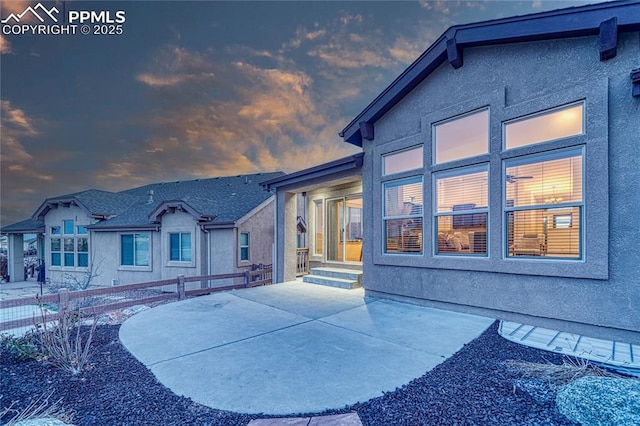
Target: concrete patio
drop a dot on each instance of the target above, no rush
(293, 348)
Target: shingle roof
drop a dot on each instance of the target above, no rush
(227, 199)
(24, 227)
(224, 199)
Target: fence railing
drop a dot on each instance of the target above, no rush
(302, 261)
(101, 300)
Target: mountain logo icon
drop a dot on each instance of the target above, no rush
(38, 11)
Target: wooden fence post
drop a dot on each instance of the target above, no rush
(63, 300)
(181, 289)
(246, 278)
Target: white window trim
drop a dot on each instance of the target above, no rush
(166, 247)
(135, 268)
(240, 260)
(385, 218)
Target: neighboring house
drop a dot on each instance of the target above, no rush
(499, 175)
(154, 232)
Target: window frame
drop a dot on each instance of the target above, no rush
(451, 119)
(318, 203)
(135, 267)
(241, 246)
(539, 157)
(69, 260)
(385, 217)
(460, 171)
(503, 108)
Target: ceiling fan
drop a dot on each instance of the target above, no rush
(514, 178)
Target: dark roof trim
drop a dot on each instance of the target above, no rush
(353, 162)
(124, 228)
(563, 23)
(53, 203)
(164, 207)
(219, 225)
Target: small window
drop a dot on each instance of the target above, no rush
(81, 230)
(67, 226)
(56, 248)
(69, 251)
(403, 213)
(134, 249)
(562, 221)
(402, 161)
(461, 137)
(558, 123)
(319, 225)
(461, 211)
(55, 230)
(244, 246)
(82, 247)
(180, 247)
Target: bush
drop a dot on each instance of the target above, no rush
(62, 342)
(22, 348)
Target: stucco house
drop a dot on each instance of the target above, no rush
(154, 232)
(498, 176)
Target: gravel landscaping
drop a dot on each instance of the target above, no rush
(473, 387)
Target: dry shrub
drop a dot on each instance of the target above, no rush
(37, 409)
(62, 342)
(572, 368)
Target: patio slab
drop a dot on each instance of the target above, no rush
(269, 350)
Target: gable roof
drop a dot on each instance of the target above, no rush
(210, 201)
(213, 201)
(604, 19)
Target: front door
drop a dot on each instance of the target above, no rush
(344, 229)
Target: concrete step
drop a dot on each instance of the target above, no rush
(332, 281)
(344, 274)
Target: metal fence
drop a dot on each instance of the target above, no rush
(25, 312)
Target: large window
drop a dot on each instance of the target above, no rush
(403, 214)
(244, 246)
(461, 211)
(544, 203)
(69, 245)
(134, 249)
(461, 137)
(180, 247)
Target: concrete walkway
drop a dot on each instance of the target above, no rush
(293, 347)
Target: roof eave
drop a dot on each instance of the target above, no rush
(563, 23)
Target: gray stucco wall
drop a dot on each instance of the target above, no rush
(598, 295)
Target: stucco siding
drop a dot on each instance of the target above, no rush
(597, 295)
(259, 225)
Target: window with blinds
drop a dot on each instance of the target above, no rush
(544, 201)
(403, 214)
(461, 211)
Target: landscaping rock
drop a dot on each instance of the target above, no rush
(601, 401)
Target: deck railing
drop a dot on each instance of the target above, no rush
(302, 261)
(15, 313)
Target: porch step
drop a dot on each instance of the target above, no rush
(334, 277)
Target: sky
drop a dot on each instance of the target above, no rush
(197, 89)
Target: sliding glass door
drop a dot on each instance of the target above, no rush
(344, 229)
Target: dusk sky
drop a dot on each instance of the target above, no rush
(201, 89)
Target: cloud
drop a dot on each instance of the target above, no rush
(5, 46)
(15, 126)
(174, 66)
